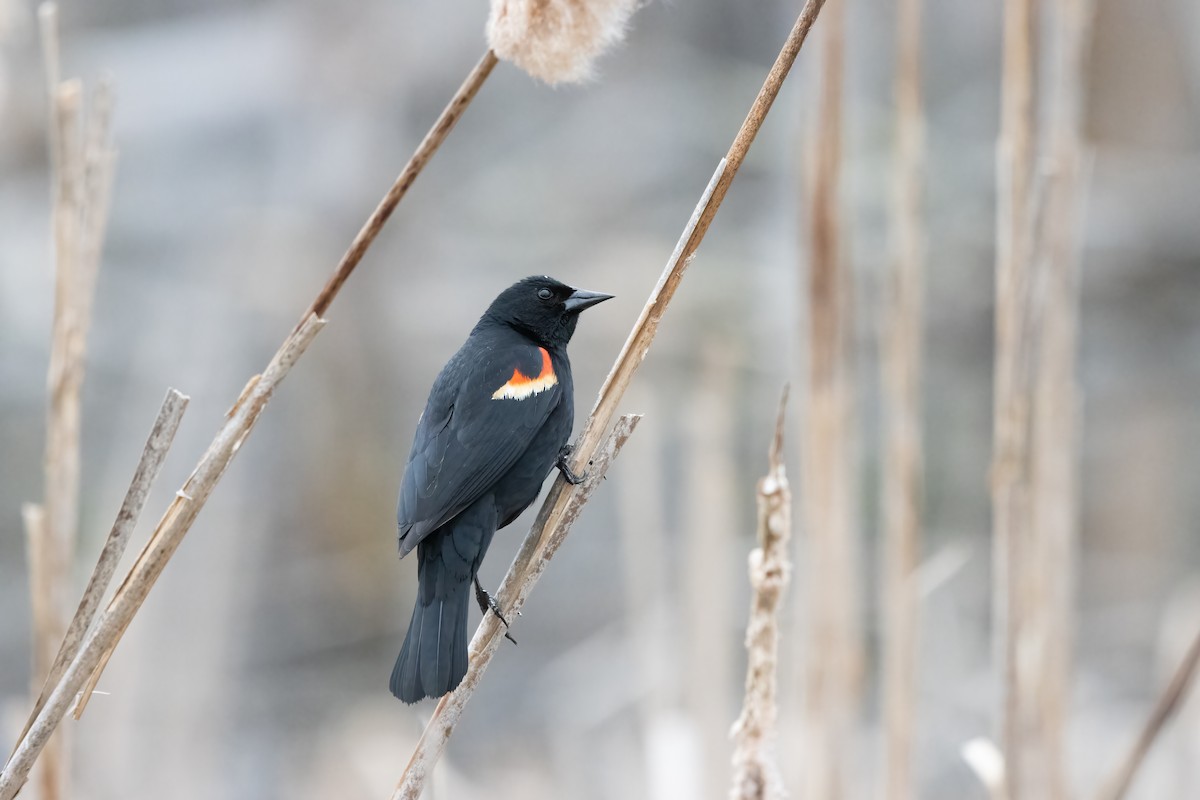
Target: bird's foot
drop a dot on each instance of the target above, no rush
(487, 602)
(561, 462)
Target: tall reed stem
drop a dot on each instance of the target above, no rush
(755, 768)
(833, 662)
(903, 476)
(1011, 430)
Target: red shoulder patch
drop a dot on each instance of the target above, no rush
(520, 385)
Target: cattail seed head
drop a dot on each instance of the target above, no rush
(556, 41)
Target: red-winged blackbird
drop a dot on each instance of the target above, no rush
(496, 422)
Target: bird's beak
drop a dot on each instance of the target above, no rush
(582, 298)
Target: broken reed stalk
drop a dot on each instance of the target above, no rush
(551, 527)
(82, 164)
(33, 515)
(162, 434)
(903, 476)
(162, 545)
(45, 627)
(1054, 482)
(59, 510)
(832, 660)
(179, 516)
(755, 771)
(1168, 703)
(358, 248)
(446, 714)
(1010, 472)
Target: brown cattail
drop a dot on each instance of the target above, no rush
(556, 40)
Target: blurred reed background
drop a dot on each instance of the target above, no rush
(255, 137)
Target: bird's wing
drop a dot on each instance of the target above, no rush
(483, 412)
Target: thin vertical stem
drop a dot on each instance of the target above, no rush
(832, 664)
(902, 356)
(52, 540)
(1010, 468)
(1054, 481)
(756, 770)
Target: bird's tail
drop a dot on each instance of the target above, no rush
(433, 659)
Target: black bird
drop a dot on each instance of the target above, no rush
(496, 422)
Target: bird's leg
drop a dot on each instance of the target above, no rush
(565, 468)
(486, 601)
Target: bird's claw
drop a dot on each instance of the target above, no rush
(487, 602)
(561, 462)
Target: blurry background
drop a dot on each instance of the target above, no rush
(256, 136)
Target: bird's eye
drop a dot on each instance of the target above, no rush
(545, 294)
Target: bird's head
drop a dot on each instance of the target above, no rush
(542, 308)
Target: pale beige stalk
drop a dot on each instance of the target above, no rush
(755, 768)
(82, 164)
(162, 434)
(903, 473)
(1010, 476)
(162, 545)
(833, 660)
(1054, 455)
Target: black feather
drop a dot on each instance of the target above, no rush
(479, 456)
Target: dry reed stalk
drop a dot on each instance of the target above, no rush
(755, 772)
(46, 626)
(159, 442)
(50, 778)
(60, 504)
(190, 499)
(832, 663)
(448, 711)
(38, 549)
(1010, 476)
(551, 527)
(1168, 703)
(1054, 483)
(903, 470)
(644, 330)
(166, 539)
(82, 164)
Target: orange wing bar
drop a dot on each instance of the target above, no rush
(520, 385)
